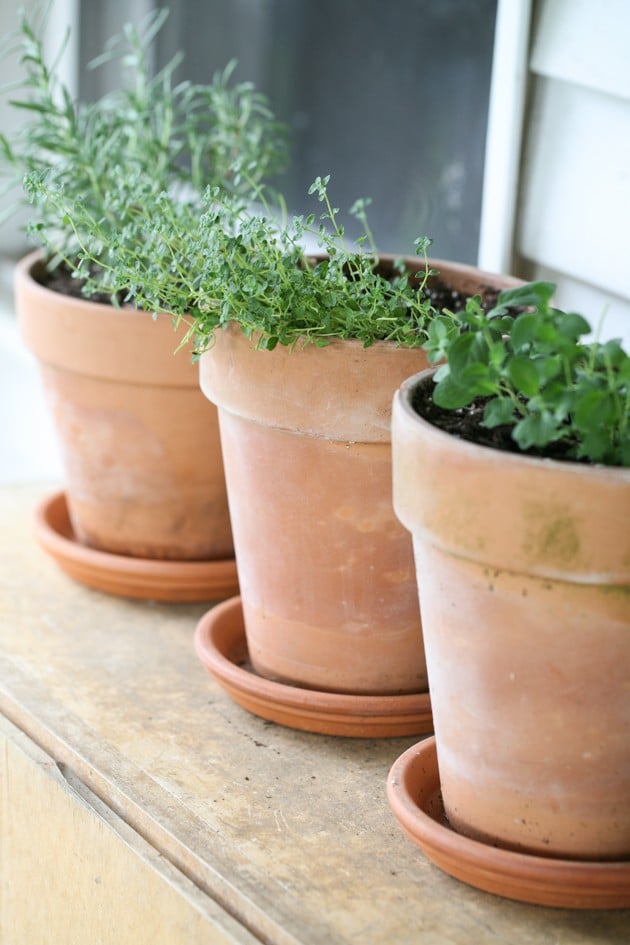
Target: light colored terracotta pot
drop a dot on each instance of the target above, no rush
(523, 572)
(326, 571)
(139, 442)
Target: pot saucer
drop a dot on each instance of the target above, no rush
(221, 646)
(126, 576)
(413, 791)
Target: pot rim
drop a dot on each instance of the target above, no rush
(24, 269)
(466, 447)
(96, 339)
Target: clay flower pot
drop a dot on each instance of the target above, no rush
(139, 442)
(326, 571)
(524, 580)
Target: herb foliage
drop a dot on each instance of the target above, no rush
(536, 374)
(227, 261)
(178, 136)
(154, 195)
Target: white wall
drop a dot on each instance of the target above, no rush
(570, 193)
(574, 200)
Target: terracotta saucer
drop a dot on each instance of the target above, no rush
(413, 791)
(221, 646)
(125, 576)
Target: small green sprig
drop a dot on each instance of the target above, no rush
(535, 375)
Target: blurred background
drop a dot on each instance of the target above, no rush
(499, 128)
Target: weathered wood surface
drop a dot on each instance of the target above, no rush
(74, 873)
(287, 832)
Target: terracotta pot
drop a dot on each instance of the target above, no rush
(139, 442)
(523, 573)
(326, 572)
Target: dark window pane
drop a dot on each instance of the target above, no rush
(390, 98)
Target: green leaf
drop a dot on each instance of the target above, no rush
(480, 379)
(439, 333)
(459, 352)
(572, 325)
(497, 355)
(473, 314)
(523, 331)
(559, 400)
(523, 374)
(536, 294)
(595, 446)
(450, 395)
(597, 408)
(5, 148)
(442, 372)
(538, 429)
(501, 325)
(498, 412)
(548, 367)
(468, 348)
(30, 106)
(614, 353)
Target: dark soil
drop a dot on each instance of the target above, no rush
(466, 423)
(61, 280)
(442, 296)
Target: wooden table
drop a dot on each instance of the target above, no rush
(140, 805)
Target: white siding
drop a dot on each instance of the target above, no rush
(584, 42)
(574, 196)
(576, 184)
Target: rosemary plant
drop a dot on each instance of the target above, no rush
(164, 135)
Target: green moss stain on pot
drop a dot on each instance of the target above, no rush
(622, 591)
(457, 526)
(551, 539)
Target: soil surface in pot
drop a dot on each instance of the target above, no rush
(466, 423)
(444, 296)
(441, 295)
(61, 280)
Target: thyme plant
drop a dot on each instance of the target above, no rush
(178, 136)
(535, 374)
(226, 262)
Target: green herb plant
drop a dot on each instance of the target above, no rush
(232, 261)
(535, 375)
(266, 281)
(152, 132)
